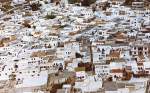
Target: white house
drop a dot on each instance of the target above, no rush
(102, 69)
(18, 1)
(70, 48)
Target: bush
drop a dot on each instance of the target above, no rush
(35, 6)
(7, 6)
(87, 2)
(46, 2)
(84, 2)
(73, 1)
(50, 16)
(128, 2)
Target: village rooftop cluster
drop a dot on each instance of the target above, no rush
(52, 46)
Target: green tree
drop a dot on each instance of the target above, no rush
(35, 6)
(51, 16)
(83, 2)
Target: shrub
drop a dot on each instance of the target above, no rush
(35, 6)
(83, 2)
(50, 16)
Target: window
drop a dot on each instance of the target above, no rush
(100, 33)
(134, 48)
(105, 66)
(147, 36)
(134, 52)
(140, 53)
(103, 51)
